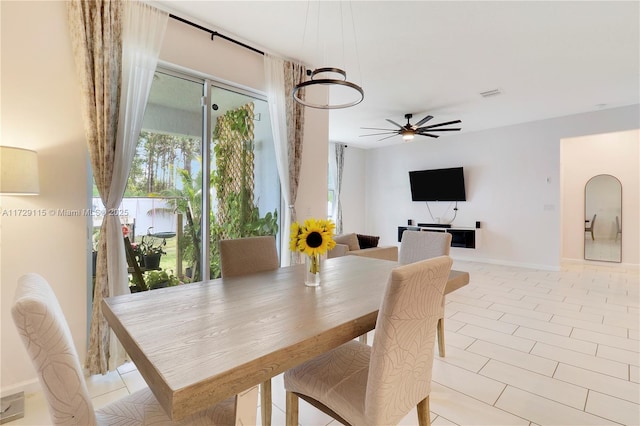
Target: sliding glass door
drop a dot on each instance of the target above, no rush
(245, 186)
(204, 170)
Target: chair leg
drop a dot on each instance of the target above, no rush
(292, 409)
(440, 330)
(265, 402)
(424, 416)
(363, 339)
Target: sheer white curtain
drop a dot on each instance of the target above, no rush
(142, 34)
(274, 77)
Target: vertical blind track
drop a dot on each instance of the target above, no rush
(215, 33)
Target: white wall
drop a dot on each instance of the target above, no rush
(40, 110)
(616, 154)
(512, 180)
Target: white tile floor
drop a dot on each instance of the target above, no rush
(524, 347)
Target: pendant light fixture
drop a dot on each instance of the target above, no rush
(330, 76)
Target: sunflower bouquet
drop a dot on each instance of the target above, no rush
(313, 238)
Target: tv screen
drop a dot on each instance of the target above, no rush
(438, 185)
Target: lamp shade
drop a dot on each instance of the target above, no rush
(18, 171)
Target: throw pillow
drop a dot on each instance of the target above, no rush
(367, 241)
(350, 240)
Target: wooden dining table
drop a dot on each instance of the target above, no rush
(199, 343)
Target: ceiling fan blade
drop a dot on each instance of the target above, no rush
(394, 123)
(424, 120)
(428, 134)
(377, 134)
(386, 138)
(378, 128)
(438, 130)
(442, 124)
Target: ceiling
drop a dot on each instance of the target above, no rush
(548, 59)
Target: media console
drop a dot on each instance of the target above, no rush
(460, 237)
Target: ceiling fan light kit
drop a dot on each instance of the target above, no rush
(408, 131)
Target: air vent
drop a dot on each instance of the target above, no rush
(490, 93)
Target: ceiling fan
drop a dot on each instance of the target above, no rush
(408, 131)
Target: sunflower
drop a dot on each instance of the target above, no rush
(295, 234)
(313, 237)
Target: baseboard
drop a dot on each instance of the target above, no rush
(28, 387)
(508, 263)
(632, 266)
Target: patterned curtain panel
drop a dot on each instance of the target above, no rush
(287, 122)
(339, 169)
(116, 46)
(294, 73)
(96, 37)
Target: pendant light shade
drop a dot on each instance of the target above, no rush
(357, 90)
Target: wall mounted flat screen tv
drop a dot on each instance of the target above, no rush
(438, 185)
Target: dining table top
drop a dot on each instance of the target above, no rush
(199, 343)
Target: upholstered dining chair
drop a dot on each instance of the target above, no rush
(47, 338)
(358, 384)
(420, 245)
(242, 256)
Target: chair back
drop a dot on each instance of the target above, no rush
(420, 245)
(47, 338)
(403, 349)
(242, 256)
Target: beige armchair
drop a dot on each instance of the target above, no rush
(361, 385)
(350, 244)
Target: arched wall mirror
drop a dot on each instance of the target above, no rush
(603, 219)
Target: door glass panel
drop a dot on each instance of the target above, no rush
(245, 193)
(165, 181)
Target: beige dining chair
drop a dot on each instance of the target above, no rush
(358, 384)
(47, 338)
(420, 245)
(242, 256)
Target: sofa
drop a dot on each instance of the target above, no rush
(362, 245)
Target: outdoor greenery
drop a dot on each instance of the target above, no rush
(155, 165)
(242, 215)
(165, 166)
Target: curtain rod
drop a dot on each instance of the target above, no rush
(215, 33)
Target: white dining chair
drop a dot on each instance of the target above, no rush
(47, 339)
(420, 245)
(358, 384)
(243, 256)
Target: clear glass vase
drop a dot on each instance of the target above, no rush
(312, 268)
